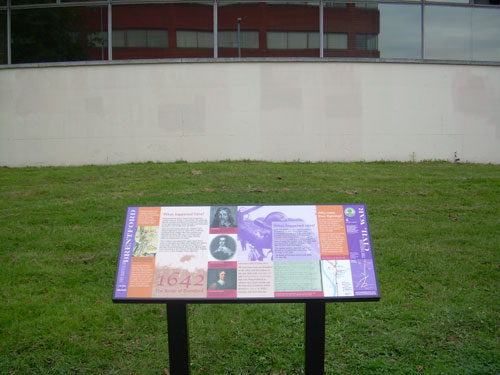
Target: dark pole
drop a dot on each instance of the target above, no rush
(315, 338)
(178, 342)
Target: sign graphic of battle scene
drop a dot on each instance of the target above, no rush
(237, 252)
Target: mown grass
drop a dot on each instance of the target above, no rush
(435, 231)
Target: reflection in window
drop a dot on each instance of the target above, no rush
(137, 38)
(98, 39)
(400, 31)
(351, 30)
(448, 33)
(470, 34)
(486, 34)
(367, 42)
(27, 2)
(182, 29)
(292, 29)
(194, 39)
(285, 29)
(449, 1)
(335, 41)
(140, 38)
(331, 4)
(312, 3)
(59, 34)
(3, 37)
(366, 5)
(292, 40)
(151, 31)
(229, 39)
(157, 38)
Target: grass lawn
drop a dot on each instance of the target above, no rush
(436, 238)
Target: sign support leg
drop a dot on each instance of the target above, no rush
(315, 338)
(178, 341)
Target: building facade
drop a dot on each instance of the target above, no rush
(92, 82)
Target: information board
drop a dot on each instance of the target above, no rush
(272, 253)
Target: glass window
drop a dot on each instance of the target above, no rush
(98, 39)
(400, 31)
(186, 39)
(366, 5)
(367, 42)
(297, 40)
(157, 38)
(59, 34)
(119, 38)
(313, 40)
(149, 31)
(351, 30)
(462, 33)
(206, 40)
(487, 2)
(449, 1)
(3, 37)
(137, 38)
(284, 29)
(448, 33)
(27, 2)
(277, 40)
(80, 1)
(335, 41)
(486, 34)
(194, 39)
(229, 39)
(331, 4)
(292, 40)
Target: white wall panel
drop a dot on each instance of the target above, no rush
(310, 111)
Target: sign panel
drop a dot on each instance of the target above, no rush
(272, 253)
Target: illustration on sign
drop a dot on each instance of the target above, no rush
(232, 252)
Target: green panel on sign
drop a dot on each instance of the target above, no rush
(297, 276)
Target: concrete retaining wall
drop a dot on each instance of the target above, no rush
(277, 111)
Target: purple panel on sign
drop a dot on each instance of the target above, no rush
(363, 277)
(358, 238)
(122, 276)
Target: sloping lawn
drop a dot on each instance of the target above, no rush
(436, 238)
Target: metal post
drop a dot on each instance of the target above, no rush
(315, 338)
(178, 341)
(239, 38)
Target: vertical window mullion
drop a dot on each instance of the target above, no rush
(321, 29)
(9, 35)
(215, 29)
(110, 31)
(422, 30)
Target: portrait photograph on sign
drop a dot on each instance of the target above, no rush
(223, 219)
(222, 247)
